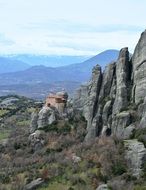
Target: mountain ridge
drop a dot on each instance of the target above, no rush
(70, 72)
(8, 65)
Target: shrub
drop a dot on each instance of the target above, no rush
(76, 180)
(118, 168)
(142, 138)
(17, 146)
(140, 134)
(4, 178)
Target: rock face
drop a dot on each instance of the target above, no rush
(55, 108)
(86, 100)
(87, 96)
(142, 111)
(139, 69)
(120, 123)
(112, 100)
(114, 103)
(37, 140)
(34, 119)
(46, 116)
(135, 155)
(122, 78)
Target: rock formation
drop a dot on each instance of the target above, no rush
(34, 119)
(135, 155)
(114, 102)
(58, 101)
(139, 69)
(107, 101)
(55, 108)
(46, 116)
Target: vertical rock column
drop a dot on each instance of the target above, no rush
(86, 99)
(120, 118)
(139, 69)
(122, 72)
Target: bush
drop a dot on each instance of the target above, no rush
(17, 146)
(142, 138)
(4, 178)
(76, 180)
(66, 128)
(118, 168)
(140, 134)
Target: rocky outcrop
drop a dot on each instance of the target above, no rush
(135, 155)
(109, 101)
(122, 78)
(47, 116)
(37, 139)
(33, 123)
(34, 184)
(103, 187)
(86, 97)
(142, 113)
(120, 123)
(139, 69)
(105, 96)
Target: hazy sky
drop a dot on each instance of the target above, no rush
(70, 27)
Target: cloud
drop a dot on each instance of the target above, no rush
(5, 41)
(75, 27)
(69, 27)
(68, 43)
(73, 38)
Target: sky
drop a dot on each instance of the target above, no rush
(70, 27)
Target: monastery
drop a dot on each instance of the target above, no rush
(58, 100)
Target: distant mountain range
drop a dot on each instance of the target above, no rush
(48, 60)
(9, 65)
(73, 74)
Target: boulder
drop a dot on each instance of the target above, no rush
(120, 123)
(76, 159)
(129, 131)
(102, 187)
(135, 155)
(37, 139)
(34, 184)
(91, 133)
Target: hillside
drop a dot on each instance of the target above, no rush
(79, 72)
(95, 141)
(42, 75)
